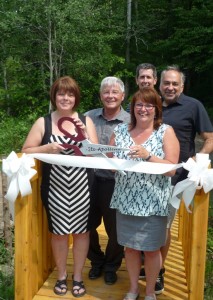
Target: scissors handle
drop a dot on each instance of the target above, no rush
(74, 147)
(80, 137)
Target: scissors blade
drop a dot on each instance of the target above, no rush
(93, 149)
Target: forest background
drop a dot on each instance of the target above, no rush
(42, 40)
(88, 40)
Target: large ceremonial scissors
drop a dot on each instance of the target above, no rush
(87, 147)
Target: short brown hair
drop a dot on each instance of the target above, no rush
(146, 66)
(65, 84)
(147, 95)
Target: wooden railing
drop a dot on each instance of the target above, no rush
(33, 255)
(193, 236)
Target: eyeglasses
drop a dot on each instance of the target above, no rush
(146, 106)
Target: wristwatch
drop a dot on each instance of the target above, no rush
(148, 158)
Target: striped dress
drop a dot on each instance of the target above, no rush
(65, 191)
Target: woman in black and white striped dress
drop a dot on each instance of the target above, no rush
(65, 191)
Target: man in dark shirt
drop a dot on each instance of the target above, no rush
(105, 120)
(188, 117)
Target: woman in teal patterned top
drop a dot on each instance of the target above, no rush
(141, 200)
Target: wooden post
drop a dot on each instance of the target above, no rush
(198, 246)
(33, 254)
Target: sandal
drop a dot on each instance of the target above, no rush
(76, 287)
(62, 285)
(131, 296)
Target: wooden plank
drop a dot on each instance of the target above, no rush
(22, 249)
(35, 239)
(174, 256)
(175, 279)
(199, 241)
(41, 230)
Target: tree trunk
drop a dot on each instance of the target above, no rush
(128, 37)
(50, 56)
(5, 218)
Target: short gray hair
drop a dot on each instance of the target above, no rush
(173, 68)
(110, 81)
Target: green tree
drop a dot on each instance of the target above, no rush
(91, 39)
(59, 38)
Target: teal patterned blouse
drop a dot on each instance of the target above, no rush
(141, 194)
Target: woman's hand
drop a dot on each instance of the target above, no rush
(53, 148)
(137, 151)
(82, 126)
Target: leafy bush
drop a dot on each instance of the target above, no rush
(6, 273)
(6, 286)
(13, 132)
(5, 255)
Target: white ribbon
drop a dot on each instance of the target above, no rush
(19, 173)
(199, 176)
(105, 163)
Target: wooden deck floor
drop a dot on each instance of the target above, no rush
(175, 282)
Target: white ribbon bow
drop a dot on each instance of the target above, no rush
(19, 173)
(199, 176)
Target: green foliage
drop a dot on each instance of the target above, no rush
(6, 273)
(191, 37)
(6, 286)
(72, 38)
(5, 255)
(88, 41)
(13, 132)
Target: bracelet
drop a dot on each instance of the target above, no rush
(148, 158)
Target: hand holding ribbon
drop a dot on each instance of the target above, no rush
(199, 176)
